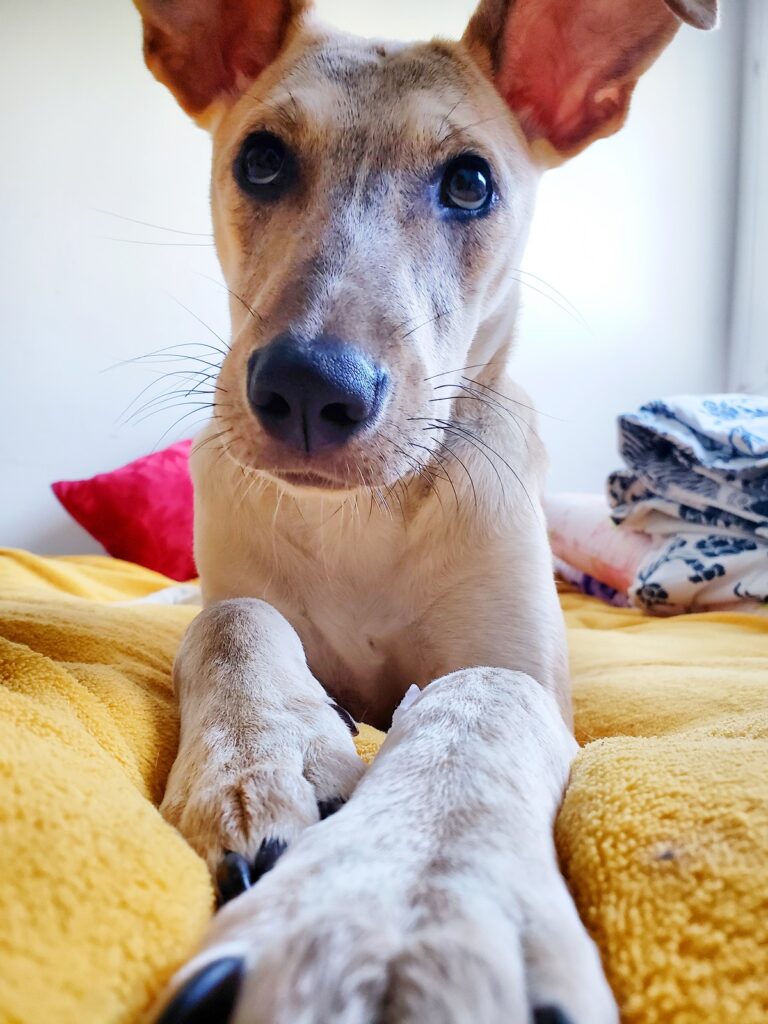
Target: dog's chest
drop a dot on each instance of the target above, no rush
(364, 651)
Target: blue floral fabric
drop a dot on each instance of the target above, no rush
(696, 480)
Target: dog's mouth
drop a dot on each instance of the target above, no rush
(309, 480)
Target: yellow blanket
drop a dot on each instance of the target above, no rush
(663, 834)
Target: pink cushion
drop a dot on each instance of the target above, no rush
(141, 512)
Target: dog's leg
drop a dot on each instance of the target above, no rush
(433, 896)
(263, 751)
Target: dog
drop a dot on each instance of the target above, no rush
(368, 515)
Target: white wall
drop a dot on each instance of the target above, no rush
(748, 363)
(636, 234)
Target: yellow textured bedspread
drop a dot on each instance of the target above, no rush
(663, 834)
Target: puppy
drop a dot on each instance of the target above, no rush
(368, 515)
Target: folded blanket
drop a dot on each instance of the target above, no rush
(697, 459)
(587, 584)
(663, 834)
(688, 569)
(588, 545)
(697, 483)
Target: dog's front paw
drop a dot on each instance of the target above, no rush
(240, 808)
(356, 928)
(433, 896)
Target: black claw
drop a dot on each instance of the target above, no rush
(209, 998)
(233, 876)
(550, 1015)
(270, 852)
(329, 807)
(346, 718)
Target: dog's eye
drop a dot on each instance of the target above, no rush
(467, 184)
(262, 165)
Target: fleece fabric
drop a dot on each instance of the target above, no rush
(663, 834)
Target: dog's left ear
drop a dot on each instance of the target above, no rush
(567, 68)
(209, 50)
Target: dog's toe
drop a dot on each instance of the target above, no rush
(346, 718)
(329, 807)
(270, 851)
(209, 997)
(233, 876)
(550, 1015)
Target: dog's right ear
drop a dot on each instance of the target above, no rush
(209, 50)
(567, 68)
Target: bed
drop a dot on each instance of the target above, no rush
(663, 834)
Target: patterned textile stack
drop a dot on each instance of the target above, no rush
(690, 508)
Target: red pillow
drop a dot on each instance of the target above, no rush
(142, 512)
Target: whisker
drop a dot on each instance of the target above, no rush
(426, 474)
(138, 241)
(451, 452)
(446, 425)
(253, 479)
(496, 407)
(167, 408)
(298, 509)
(203, 323)
(464, 128)
(451, 112)
(222, 284)
(566, 300)
(477, 442)
(223, 450)
(186, 375)
(381, 501)
(170, 354)
(173, 426)
(171, 359)
(208, 440)
(163, 402)
(575, 316)
(432, 320)
(333, 515)
(514, 401)
(393, 490)
(418, 467)
(460, 369)
(447, 475)
(455, 426)
(158, 227)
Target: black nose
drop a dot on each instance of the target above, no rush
(316, 394)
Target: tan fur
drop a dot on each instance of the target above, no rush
(415, 553)
(351, 236)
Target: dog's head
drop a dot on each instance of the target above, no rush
(371, 202)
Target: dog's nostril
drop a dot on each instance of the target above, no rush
(342, 415)
(273, 405)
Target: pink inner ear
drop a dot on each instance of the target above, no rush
(204, 49)
(252, 34)
(569, 66)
